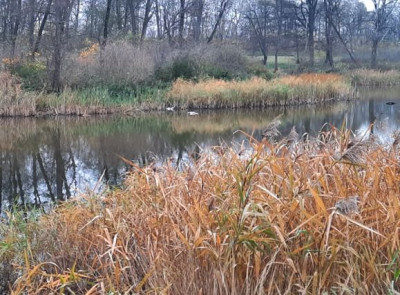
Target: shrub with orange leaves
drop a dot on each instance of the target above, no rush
(89, 52)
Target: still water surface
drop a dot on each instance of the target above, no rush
(45, 160)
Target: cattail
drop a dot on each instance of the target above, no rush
(348, 206)
(271, 131)
(396, 137)
(353, 152)
(293, 136)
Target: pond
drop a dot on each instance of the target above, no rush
(44, 160)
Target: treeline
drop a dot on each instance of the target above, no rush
(56, 28)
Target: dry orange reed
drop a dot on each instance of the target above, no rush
(264, 223)
(257, 92)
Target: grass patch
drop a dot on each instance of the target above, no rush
(14, 101)
(367, 77)
(257, 92)
(213, 93)
(259, 221)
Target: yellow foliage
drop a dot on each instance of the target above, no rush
(9, 61)
(89, 51)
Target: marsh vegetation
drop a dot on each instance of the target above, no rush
(271, 217)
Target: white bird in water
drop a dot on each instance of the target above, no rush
(170, 109)
(192, 113)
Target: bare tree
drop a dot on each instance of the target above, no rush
(62, 10)
(16, 20)
(223, 7)
(106, 22)
(146, 18)
(279, 19)
(259, 18)
(198, 19)
(41, 28)
(383, 9)
(308, 13)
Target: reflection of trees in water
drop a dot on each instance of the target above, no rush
(39, 174)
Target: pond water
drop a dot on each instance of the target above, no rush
(49, 159)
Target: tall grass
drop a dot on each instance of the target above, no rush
(367, 77)
(274, 218)
(14, 101)
(257, 92)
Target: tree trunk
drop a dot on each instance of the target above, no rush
(92, 17)
(14, 33)
(132, 10)
(374, 52)
(76, 25)
(146, 19)
(6, 20)
(158, 20)
(59, 24)
(312, 9)
(41, 29)
(224, 4)
(118, 14)
(310, 32)
(279, 16)
(181, 19)
(106, 21)
(328, 34)
(198, 19)
(31, 24)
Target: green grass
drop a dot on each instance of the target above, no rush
(286, 63)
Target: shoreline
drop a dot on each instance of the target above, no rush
(254, 93)
(138, 111)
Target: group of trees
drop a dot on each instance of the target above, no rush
(270, 26)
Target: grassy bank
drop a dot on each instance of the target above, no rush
(365, 77)
(257, 92)
(15, 101)
(275, 218)
(254, 92)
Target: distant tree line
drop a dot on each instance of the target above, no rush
(271, 27)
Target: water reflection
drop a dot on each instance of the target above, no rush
(45, 160)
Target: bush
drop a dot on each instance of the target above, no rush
(33, 73)
(120, 63)
(225, 61)
(261, 71)
(219, 61)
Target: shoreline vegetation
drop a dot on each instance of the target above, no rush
(255, 92)
(125, 78)
(312, 216)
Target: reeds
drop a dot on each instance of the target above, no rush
(257, 92)
(15, 101)
(253, 93)
(274, 221)
(367, 77)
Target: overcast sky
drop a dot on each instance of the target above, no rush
(368, 4)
